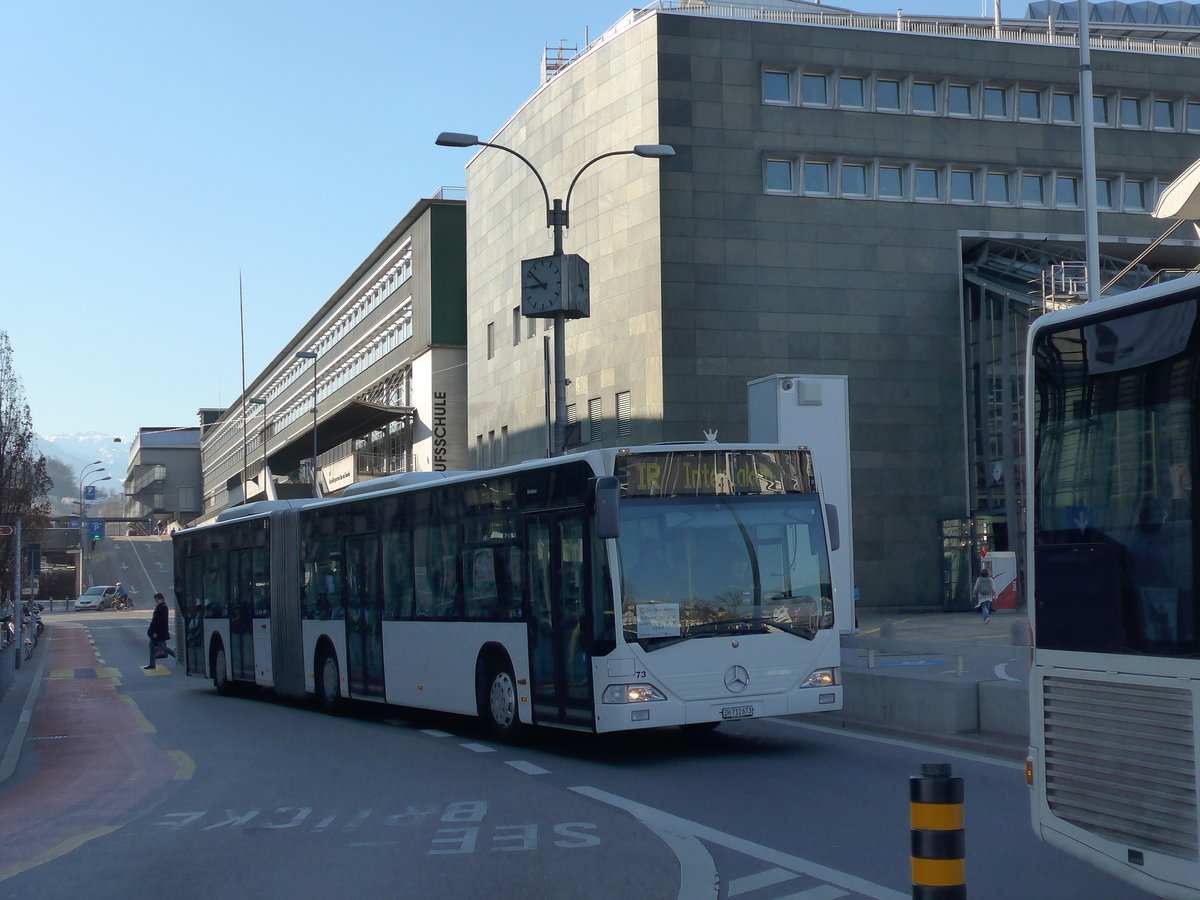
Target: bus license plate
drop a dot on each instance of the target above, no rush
(737, 712)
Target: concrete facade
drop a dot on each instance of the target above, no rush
(707, 273)
(163, 481)
(388, 380)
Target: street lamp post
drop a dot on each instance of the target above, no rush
(558, 218)
(82, 519)
(308, 354)
(262, 401)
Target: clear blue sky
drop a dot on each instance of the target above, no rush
(153, 149)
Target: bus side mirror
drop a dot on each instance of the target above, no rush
(606, 493)
(835, 537)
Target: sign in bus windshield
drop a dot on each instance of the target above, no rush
(672, 473)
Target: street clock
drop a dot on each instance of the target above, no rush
(555, 284)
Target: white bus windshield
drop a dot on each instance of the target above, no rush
(1115, 449)
(705, 566)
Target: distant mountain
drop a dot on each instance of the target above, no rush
(78, 450)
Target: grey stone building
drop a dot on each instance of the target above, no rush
(162, 482)
(874, 197)
(382, 364)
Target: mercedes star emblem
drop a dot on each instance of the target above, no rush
(737, 679)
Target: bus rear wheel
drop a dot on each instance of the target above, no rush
(220, 676)
(500, 704)
(329, 694)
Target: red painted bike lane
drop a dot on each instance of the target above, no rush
(97, 762)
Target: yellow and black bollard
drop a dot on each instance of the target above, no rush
(938, 841)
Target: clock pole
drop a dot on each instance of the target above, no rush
(558, 220)
(557, 213)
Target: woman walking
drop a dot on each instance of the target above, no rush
(985, 593)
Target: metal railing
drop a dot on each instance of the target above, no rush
(1051, 33)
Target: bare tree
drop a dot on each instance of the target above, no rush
(23, 477)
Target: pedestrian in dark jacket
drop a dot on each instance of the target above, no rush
(159, 631)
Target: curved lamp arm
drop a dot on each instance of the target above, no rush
(646, 151)
(456, 139)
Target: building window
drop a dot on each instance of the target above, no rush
(624, 415)
(531, 325)
(595, 421)
(816, 89)
(780, 179)
(816, 178)
(503, 445)
(924, 97)
(1033, 190)
(851, 91)
(1164, 114)
(1100, 110)
(1064, 107)
(516, 313)
(891, 182)
(887, 94)
(777, 86)
(999, 188)
(962, 186)
(960, 100)
(1193, 117)
(1135, 195)
(927, 185)
(491, 340)
(1131, 112)
(1030, 106)
(1067, 189)
(1104, 193)
(854, 180)
(995, 102)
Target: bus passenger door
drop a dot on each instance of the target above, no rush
(558, 638)
(364, 615)
(241, 614)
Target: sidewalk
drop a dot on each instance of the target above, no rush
(18, 693)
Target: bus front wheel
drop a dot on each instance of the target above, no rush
(329, 694)
(500, 704)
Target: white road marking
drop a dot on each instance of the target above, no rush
(683, 837)
(137, 556)
(433, 732)
(761, 880)
(527, 767)
(820, 892)
(1001, 672)
(478, 748)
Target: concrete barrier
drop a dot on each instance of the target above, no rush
(910, 704)
(1004, 708)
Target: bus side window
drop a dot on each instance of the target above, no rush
(397, 576)
(481, 589)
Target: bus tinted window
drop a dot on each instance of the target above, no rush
(1115, 449)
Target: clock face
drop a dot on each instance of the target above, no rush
(541, 285)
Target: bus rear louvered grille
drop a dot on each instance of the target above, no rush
(1120, 762)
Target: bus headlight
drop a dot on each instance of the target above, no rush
(820, 678)
(631, 693)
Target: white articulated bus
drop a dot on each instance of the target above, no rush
(1113, 442)
(609, 590)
